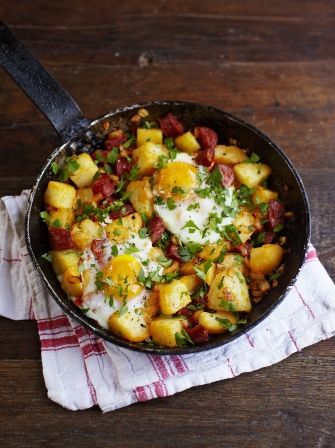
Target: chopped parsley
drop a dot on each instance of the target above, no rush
(113, 155)
(231, 234)
(171, 204)
(47, 256)
(188, 251)
(263, 207)
(183, 339)
(124, 309)
(44, 216)
(54, 168)
(254, 158)
(191, 226)
(143, 233)
(132, 249)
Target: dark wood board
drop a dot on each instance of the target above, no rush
(271, 63)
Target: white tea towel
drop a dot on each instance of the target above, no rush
(82, 370)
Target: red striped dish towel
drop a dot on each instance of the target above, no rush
(81, 370)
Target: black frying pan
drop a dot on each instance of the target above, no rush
(78, 134)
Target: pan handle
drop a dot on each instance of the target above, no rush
(51, 99)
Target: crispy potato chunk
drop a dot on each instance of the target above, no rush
(64, 259)
(163, 331)
(83, 176)
(71, 282)
(151, 306)
(213, 251)
(229, 290)
(235, 261)
(215, 322)
(244, 223)
(120, 229)
(266, 259)
(173, 296)
(60, 195)
(62, 217)
(191, 282)
(187, 143)
(209, 272)
(85, 195)
(229, 155)
(252, 174)
(141, 196)
(129, 325)
(84, 232)
(146, 157)
(149, 135)
(263, 195)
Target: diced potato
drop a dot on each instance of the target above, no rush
(129, 325)
(141, 196)
(215, 322)
(235, 261)
(62, 217)
(149, 135)
(266, 258)
(187, 143)
(229, 155)
(151, 306)
(64, 259)
(213, 251)
(192, 282)
(85, 195)
(84, 232)
(60, 195)
(173, 296)
(252, 174)
(71, 282)
(229, 290)
(263, 195)
(187, 268)
(120, 229)
(163, 331)
(83, 176)
(244, 223)
(146, 157)
(208, 270)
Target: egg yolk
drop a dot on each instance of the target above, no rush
(120, 277)
(176, 179)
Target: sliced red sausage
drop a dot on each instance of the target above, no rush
(228, 177)
(114, 142)
(244, 249)
(122, 166)
(156, 229)
(125, 210)
(275, 213)
(172, 251)
(207, 137)
(60, 239)
(187, 313)
(104, 186)
(170, 125)
(198, 334)
(269, 236)
(97, 247)
(205, 157)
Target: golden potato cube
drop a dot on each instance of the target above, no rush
(129, 325)
(266, 259)
(146, 157)
(187, 143)
(173, 296)
(163, 331)
(229, 155)
(215, 322)
(252, 174)
(141, 196)
(60, 195)
(151, 306)
(192, 282)
(71, 282)
(235, 261)
(263, 195)
(62, 217)
(85, 195)
(83, 176)
(213, 251)
(208, 270)
(84, 232)
(229, 291)
(120, 229)
(149, 135)
(64, 259)
(187, 268)
(244, 223)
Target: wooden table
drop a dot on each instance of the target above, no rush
(271, 63)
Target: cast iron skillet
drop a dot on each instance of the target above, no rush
(78, 134)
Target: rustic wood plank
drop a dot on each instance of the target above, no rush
(163, 39)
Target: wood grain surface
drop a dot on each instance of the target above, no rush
(269, 62)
